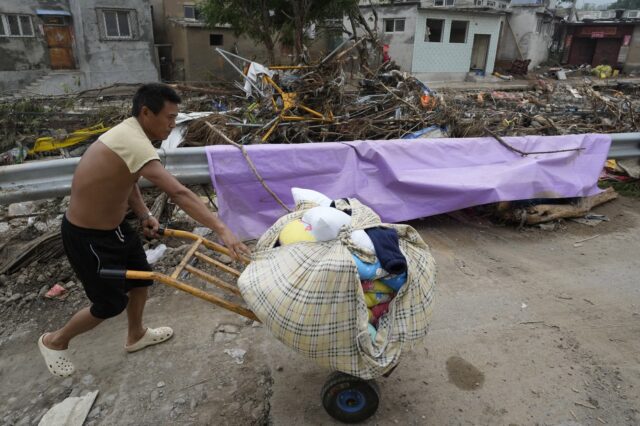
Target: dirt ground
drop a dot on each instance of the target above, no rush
(530, 327)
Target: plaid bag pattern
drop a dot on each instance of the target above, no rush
(310, 297)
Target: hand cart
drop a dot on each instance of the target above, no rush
(346, 398)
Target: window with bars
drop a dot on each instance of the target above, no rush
(16, 26)
(118, 24)
(444, 2)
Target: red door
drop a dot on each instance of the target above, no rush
(582, 50)
(607, 50)
(60, 44)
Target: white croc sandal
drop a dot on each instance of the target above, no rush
(152, 336)
(58, 362)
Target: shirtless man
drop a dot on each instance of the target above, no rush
(95, 235)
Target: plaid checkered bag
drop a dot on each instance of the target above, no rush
(310, 297)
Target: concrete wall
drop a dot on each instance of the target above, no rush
(23, 59)
(633, 54)
(175, 8)
(106, 62)
(194, 59)
(451, 61)
(159, 21)
(206, 64)
(533, 45)
(100, 62)
(400, 43)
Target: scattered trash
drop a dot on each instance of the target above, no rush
(71, 412)
(48, 246)
(427, 133)
(503, 76)
(630, 166)
(21, 209)
(176, 137)
(154, 255)
(13, 156)
(49, 143)
(520, 67)
(237, 354)
(575, 93)
(548, 226)
(580, 243)
(591, 219)
(202, 231)
(56, 292)
(603, 71)
(586, 405)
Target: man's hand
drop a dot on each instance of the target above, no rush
(150, 227)
(235, 246)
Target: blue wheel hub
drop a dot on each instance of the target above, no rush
(351, 401)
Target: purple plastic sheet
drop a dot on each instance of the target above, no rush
(403, 179)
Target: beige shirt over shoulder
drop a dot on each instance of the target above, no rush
(130, 143)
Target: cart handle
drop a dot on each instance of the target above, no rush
(166, 232)
(113, 274)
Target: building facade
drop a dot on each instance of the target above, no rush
(60, 47)
(604, 37)
(186, 45)
(440, 40)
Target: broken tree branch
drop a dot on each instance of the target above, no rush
(547, 212)
(251, 165)
(523, 153)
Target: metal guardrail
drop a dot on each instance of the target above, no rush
(49, 179)
(39, 180)
(624, 145)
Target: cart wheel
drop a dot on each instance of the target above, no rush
(350, 399)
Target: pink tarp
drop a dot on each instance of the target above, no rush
(403, 179)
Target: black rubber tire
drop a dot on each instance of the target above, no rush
(340, 384)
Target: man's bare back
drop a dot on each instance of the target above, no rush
(100, 189)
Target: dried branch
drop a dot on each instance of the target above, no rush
(251, 166)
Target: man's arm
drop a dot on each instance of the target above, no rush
(150, 224)
(192, 205)
(136, 202)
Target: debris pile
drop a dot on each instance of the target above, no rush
(545, 109)
(328, 102)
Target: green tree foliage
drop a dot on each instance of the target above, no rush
(267, 21)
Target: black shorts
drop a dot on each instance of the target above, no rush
(90, 250)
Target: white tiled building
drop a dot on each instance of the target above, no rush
(440, 40)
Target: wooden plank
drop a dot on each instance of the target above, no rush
(218, 264)
(213, 280)
(186, 259)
